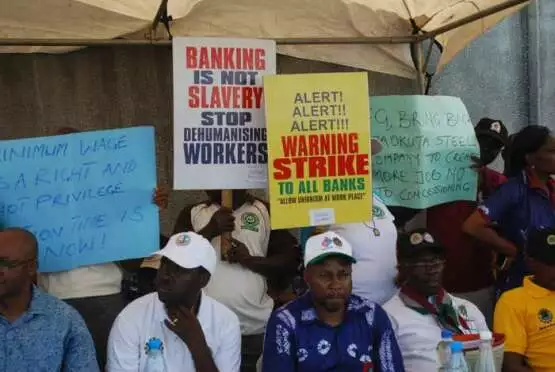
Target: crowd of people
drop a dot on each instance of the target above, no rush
(370, 296)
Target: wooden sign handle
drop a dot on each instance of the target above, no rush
(227, 201)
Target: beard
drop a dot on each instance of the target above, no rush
(333, 305)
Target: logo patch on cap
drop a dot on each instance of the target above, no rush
(495, 127)
(183, 240)
(329, 243)
(551, 240)
(416, 238)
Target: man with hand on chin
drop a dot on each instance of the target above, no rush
(260, 260)
(196, 332)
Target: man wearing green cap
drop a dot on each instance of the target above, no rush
(328, 328)
(422, 308)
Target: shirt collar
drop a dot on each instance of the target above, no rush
(535, 290)
(531, 178)
(355, 305)
(38, 303)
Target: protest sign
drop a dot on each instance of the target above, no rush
(428, 143)
(219, 126)
(318, 139)
(87, 197)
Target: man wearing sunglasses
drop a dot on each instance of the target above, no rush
(422, 308)
(38, 331)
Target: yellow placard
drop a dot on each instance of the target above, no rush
(318, 149)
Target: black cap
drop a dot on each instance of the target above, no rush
(541, 246)
(416, 242)
(492, 128)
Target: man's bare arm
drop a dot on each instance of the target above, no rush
(513, 362)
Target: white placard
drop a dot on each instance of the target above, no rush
(219, 126)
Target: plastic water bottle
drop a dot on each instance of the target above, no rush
(486, 363)
(444, 349)
(154, 356)
(457, 363)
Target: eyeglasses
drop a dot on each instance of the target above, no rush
(12, 264)
(433, 264)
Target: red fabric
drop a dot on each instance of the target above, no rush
(490, 180)
(469, 265)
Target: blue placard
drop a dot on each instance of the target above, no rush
(87, 197)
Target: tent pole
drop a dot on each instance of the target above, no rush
(279, 41)
(471, 18)
(161, 10)
(417, 56)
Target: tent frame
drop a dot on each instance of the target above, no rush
(415, 40)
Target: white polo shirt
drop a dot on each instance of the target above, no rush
(374, 247)
(241, 290)
(143, 319)
(418, 335)
(86, 281)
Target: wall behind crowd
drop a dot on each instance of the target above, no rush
(102, 88)
(508, 73)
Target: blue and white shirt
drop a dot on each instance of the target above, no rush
(297, 341)
(49, 336)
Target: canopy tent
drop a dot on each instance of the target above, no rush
(384, 27)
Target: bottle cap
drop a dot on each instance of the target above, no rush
(445, 333)
(486, 336)
(154, 344)
(457, 347)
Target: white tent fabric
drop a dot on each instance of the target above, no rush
(107, 19)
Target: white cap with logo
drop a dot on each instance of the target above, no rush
(188, 250)
(321, 246)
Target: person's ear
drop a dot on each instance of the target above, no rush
(32, 269)
(306, 277)
(532, 264)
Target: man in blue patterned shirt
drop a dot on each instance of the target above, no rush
(328, 328)
(39, 333)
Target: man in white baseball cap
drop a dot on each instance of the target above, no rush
(193, 331)
(328, 328)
